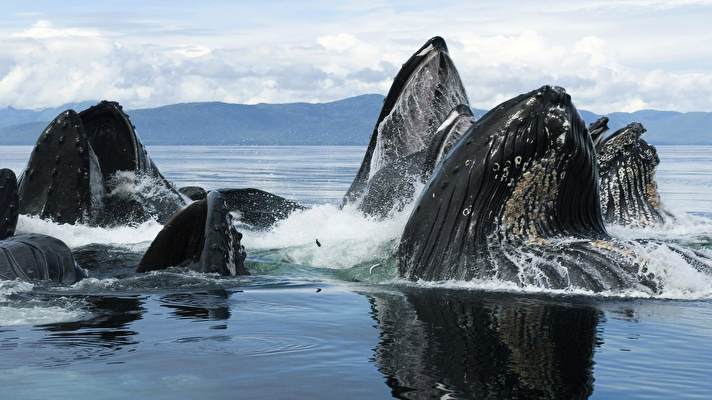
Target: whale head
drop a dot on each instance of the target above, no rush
(524, 172)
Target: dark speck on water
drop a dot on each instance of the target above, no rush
(180, 335)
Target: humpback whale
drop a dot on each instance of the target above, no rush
(254, 207)
(517, 199)
(597, 129)
(202, 237)
(423, 92)
(87, 167)
(258, 208)
(30, 257)
(629, 193)
(34, 257)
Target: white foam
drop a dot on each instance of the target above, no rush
(12, 315)
(682, 227)
(80, 235)
(347, 237)
(680, 280)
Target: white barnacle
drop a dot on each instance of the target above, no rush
(495, 167)
(562, 138)
(467, 211)
(517, 160)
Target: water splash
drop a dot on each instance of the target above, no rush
(347, 236)
(139, 236)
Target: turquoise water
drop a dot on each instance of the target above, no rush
(319, 322)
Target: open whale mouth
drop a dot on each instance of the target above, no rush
(425, 90)
(69, 176)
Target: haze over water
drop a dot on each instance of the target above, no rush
(363, 335)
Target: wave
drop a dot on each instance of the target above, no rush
(15, 309)
(355, 247)
(140, 235)
(347, 237)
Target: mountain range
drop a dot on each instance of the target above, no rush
(344, 122)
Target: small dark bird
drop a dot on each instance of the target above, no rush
(318, 243)
(318, 290)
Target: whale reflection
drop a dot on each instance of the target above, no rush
(454, 344)
(203, 305)
(107, 332)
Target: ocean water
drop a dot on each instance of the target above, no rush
(334, 321)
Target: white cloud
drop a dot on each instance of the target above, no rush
(43, 29)
(604, 62)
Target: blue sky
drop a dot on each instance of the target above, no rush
(617, 55)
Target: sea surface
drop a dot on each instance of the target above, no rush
(334, 321)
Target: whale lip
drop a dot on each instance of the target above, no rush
(463, 109)
(435, 43)
(202, 237)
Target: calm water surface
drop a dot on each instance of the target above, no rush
(314, 323)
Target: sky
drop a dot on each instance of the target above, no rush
(617, 55)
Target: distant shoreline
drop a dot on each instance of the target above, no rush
(347, 122)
